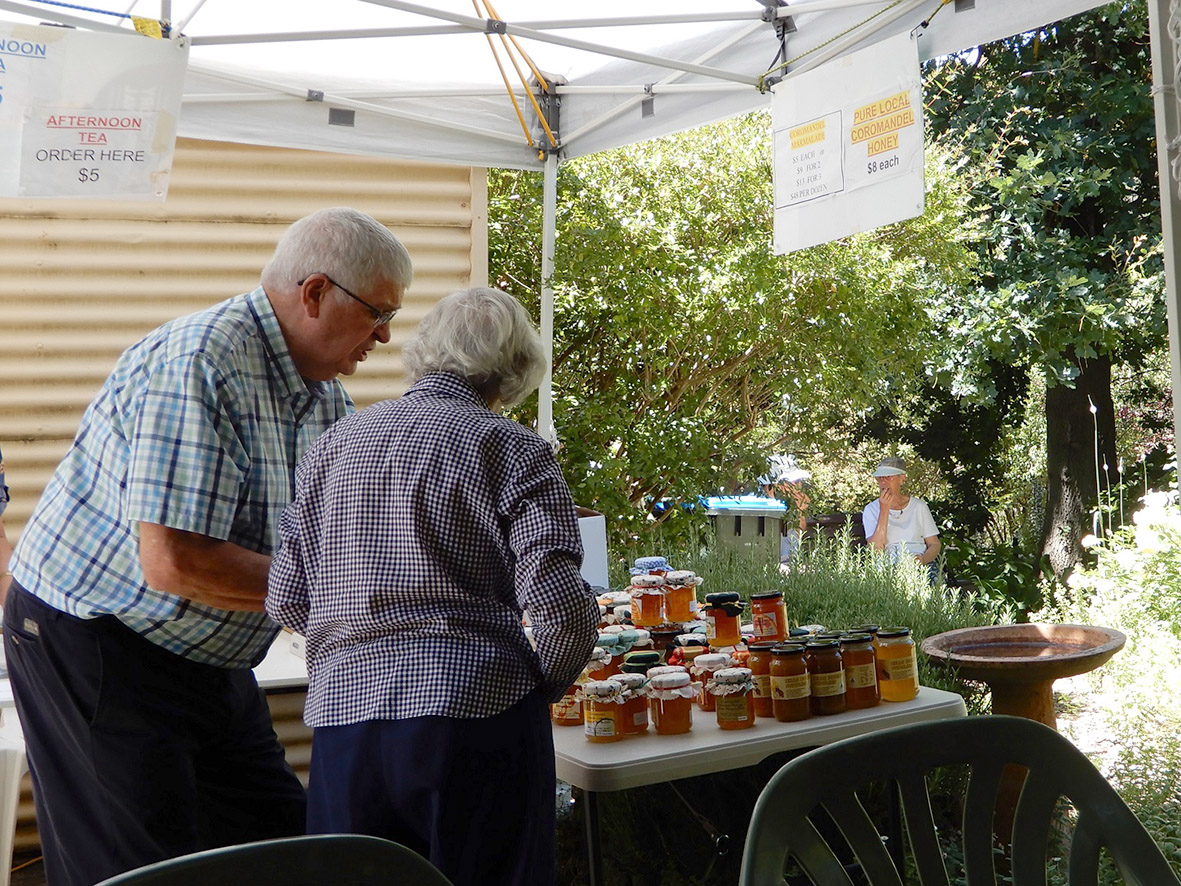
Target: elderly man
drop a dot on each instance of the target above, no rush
(898, 523)
(422, 529)
(135, 612)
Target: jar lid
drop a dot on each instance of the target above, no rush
(673, 680)
(666, 669)
(712, 661)
(789, 649)
(691, 640)
(767, 595)
(722, 597)
(647, 581)
(864, 629)
(602, 688)
(631, 681)
(681, 576)
(644, 658)
(732, 675)
(824, 644)
(885, 633)
(599, 655)
(853, 639)
(607, 641)
(612, 629)
(652, 563)
(762, 646)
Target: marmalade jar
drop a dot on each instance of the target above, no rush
(567, 710)
(609, 643)
(898, 667)
(680, 597)
(861, 671)
(790, 689)
(759, 662)
(647, 600)
(671, 702)
(633, 713)
(769, 614)
(826, 676)
(602, 701)
(704, 666)
(733, 699)
(687, 647)
(722, 614)
(640, 662)
(651, 566)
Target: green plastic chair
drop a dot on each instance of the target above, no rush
(784, 824)
(316, 860)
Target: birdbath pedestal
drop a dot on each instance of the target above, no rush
(1021, 662)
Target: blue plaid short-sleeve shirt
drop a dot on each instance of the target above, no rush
(199, 427)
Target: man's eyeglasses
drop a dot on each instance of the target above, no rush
(380, 318)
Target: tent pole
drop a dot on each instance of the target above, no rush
(549, 213)
(1165, 98)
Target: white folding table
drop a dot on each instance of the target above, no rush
(650, 759)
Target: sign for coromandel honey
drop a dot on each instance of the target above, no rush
(848, 145)
(86, 114)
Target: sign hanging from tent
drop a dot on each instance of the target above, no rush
(86, 114)
(848, 145)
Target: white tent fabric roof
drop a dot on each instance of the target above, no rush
(421, 80)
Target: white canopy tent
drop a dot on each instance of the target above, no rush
(448, 80)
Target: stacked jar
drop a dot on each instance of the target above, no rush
(686, 648)
(680, 597)
(769, 616)
(647, 600)
(723, 612)
(633, 714)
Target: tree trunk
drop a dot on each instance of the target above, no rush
(1078, 443)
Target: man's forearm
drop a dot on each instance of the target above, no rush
(206, 570)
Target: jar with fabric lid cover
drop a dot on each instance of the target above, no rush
(723, 612)
(704, 666)
(671, 702)
(647, 592)
(602, 704)
(733, 699)
(680, 597)
(633, 718)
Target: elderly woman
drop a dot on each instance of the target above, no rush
(898, 523)
(422, 529)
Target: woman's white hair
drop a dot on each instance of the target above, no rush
(485, 336)
(346, 244)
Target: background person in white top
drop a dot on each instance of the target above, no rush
(896, 522)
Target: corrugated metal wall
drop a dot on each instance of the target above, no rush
(82, 280)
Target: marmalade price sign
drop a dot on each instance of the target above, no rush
(86, 114)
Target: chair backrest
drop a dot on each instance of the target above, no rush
(792, 820)
(317, 860)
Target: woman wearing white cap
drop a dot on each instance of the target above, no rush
(896, 522)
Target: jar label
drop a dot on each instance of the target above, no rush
(567, 707)
(784, 688)
(766, 624)
(762, 685)
(711, 628)
(640, 718)
(832, 683)
(733, 708)
(598, 723)
(861, 676)
(904, 668)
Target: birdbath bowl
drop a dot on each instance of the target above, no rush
(1021, 662)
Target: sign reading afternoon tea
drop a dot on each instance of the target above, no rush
(848, 145)
(86, 114)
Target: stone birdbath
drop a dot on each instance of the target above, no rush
(1020, 662)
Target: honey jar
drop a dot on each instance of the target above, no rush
(759, 662)
(898, 668)
(671, 702)
(790, 689)
(861, 671)
(826, 676)
(722, 619)
(733, 698)
(633, 714)
(647, 592)
(680, 597)
(602, 702)
(769, 616)
(704, 666)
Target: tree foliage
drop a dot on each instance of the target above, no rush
(685, 352)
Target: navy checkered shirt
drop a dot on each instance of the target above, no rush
(421, 529)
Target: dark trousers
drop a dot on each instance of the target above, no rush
(137, 754)
(475, 796)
